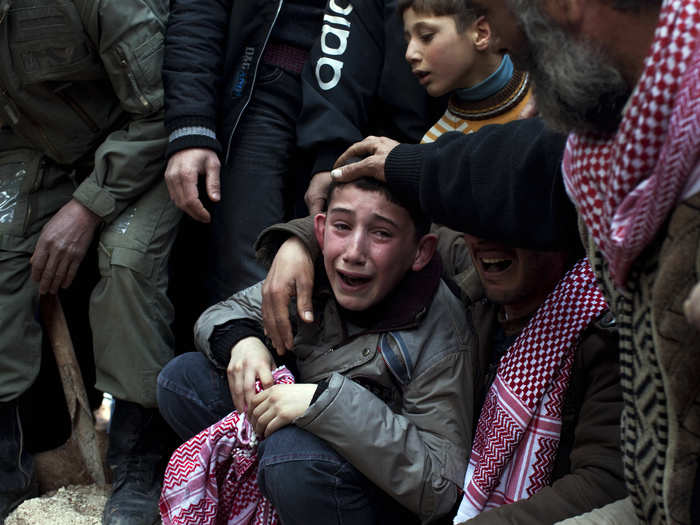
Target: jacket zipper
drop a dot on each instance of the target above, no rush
(125, 65)
(255, 74)
(89, 122)
(14, 117)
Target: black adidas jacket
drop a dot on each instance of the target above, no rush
(358, 83)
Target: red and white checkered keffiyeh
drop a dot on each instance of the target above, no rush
(625, 186)
(211, 478)
(517, 435)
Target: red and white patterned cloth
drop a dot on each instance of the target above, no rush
(211, 478)
(517, 435)
(626, 185)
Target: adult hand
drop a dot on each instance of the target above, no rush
(181, 174)
(278, 406)
(250, 360)
(62, 245)
(316, 193)
(291, 275)
(375, 150)
(692, 307)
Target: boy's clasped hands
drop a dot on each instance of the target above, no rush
(276, 405)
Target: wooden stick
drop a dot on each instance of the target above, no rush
(82, 419)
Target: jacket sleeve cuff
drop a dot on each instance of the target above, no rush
(402, 171)
(321, 401)
(97, 199)
(272, 237)
(225, 336)
(193, 132)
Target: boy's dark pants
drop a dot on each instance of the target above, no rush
(304, 478)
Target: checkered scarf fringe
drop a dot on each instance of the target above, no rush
(211, 478)
(625, 185)
(518, 431)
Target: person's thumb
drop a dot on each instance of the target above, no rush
(213, 182)
(304, 305)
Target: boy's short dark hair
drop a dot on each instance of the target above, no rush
(420, 221)
(463, 11)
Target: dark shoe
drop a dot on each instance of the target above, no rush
(17, 481)
(139, 447)
(135, 494)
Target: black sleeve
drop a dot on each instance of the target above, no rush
(501, 183)
(192, 69)
(228, 334)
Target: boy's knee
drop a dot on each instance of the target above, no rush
(296, 467)
(181, 373)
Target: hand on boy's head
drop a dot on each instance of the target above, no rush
(315, 196)
(250, 360)
(291, 275)
(278, 406)
(375, 150)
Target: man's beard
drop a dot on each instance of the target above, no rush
(577, 88)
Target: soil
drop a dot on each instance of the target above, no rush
(71, 505)
(68, 494)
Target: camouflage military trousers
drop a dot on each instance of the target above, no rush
(130, 313)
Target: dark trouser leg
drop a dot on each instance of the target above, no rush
(254, 182)
(192, 394)
(308, 482)
(130, 312)
(131, 315)
(16, 466)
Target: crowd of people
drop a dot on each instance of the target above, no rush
(486, 290)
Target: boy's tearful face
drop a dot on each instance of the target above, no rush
(368, 245)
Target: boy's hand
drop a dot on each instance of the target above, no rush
(250, 360)
(374, 151)
(291, 274)
(278, 406)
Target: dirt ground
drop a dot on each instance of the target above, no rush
(71, 505)
(67, 494)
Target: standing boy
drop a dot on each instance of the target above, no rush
(450, 50)
(383, 408)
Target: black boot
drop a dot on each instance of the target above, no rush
(140, 443)
(17, 481)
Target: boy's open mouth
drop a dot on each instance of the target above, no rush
(495, 265)
(421, 74)
(353, 281)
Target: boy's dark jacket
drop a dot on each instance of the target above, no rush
(398, 402)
